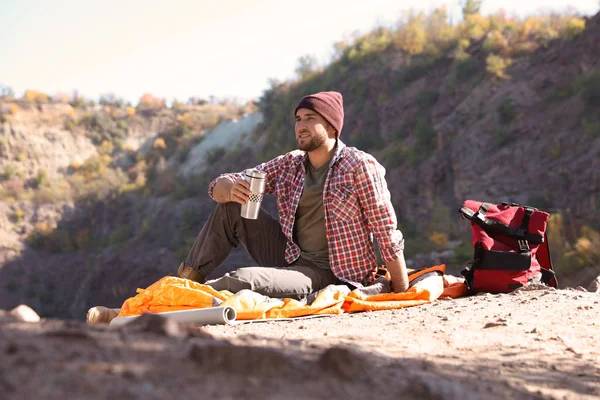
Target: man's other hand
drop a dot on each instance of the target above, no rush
(399, 275)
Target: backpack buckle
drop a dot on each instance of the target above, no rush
(523, 246)
(479, 216)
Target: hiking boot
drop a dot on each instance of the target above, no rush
(101, 315)
(190, 273)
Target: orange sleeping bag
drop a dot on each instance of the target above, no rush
(173, 294)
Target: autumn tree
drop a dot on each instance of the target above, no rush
(150, 102)
(6, 92)
(438, 29)
(77, 101)
(35, 96)
(307, 66)
(197, 101)
(110, 99)
(471, 7)
(61, 98)
(412, 36)
(575, 26)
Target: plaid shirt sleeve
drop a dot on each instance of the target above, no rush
(375, 199)
(272, 169)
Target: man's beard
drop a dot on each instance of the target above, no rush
(314, 143)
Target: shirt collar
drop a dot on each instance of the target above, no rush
(339, 153)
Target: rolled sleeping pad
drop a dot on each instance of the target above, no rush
(201, 316)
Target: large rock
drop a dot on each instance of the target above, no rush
(29, 146)
(25, 313)
(228, 134)
(595, 285)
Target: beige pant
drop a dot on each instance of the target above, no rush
(265, 243)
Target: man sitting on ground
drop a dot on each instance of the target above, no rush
(332, 201)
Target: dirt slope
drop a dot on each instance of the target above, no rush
(530, 345)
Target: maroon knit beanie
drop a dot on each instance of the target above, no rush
(330, 105)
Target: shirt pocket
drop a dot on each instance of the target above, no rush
(283, 198)
(344, 202)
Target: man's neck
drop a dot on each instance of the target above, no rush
(322, 155)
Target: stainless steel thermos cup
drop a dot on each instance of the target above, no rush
(256, 179)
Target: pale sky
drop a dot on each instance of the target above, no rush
(184, 48)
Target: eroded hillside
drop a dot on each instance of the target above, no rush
(98, 200)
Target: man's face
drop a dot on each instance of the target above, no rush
(311, 130)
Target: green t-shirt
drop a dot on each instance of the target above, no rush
(309, 229)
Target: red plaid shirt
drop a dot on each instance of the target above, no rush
(356, 203)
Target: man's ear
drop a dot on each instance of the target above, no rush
(331, 131)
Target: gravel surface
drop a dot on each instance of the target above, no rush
(530, 344)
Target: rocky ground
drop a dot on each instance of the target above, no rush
(540, 343)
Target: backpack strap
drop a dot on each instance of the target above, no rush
(543, 257)
(521, 234)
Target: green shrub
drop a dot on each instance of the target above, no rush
(495, 42)
(53, 240)
(392, 156)
(591, 125)
(503, 135)
(146, 225)
(367, 142)
(41, 178)
(78, 102)
(191, 220)
(426, 138)
(70, 124)
(61, 241)
(122, 124)
(46, 297)
(192, 186)
(18, 215)
(128, 188)
(418, 244)
(540, 202)
(120, 144)
(182, 248)
(120, 235)
(497, 66)
(33, 278)
(575, 26)
(411, 73)
(560, 93)
(100, 127)
(214, 155)
(507, 111)
(588, 87)
(465, 69)
(12, 286)
(462, 254)
(555, 151)
(10, 171)
(427, 98)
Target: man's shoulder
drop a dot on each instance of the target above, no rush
(288, 159)
(293, 156)
(351, 156)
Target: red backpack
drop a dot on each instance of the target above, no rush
(510, 247)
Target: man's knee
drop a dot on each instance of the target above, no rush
(249, 275)
(236, 280)
(231, 208)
